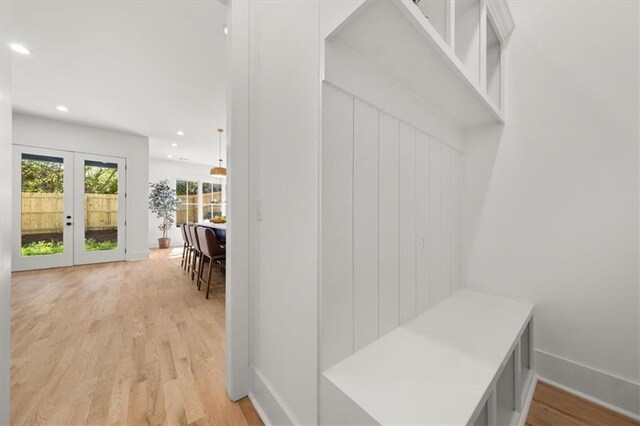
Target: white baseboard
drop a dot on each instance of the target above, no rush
(615, 393)
(527, 401)
(267, 403)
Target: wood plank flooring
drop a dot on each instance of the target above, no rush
(553, 406)
(120, 343)
(136, 343)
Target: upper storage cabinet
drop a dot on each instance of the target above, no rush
(436, 11)
(448, 52)
(493, 63)
(467, 36)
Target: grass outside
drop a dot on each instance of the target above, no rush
(92, 245)
(39, 248)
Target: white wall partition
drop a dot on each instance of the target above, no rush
(5, 214)
(390, 206)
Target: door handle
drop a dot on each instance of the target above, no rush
(69, 223)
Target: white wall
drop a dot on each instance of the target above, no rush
(5, 215)
(45, 133)
(172, 170)
(551, 212)
(284, 100)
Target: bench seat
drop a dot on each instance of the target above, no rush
(442, 367)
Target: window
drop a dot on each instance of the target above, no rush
(212, 200)
(187, 192)
(204, 200)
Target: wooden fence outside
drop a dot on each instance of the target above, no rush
(43, 213)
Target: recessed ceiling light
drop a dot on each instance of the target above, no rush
(174, 145)
(180, 133)
(226, 30)
(170, 156)
(20, 49)
(62, 108)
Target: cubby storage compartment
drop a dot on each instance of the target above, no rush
(467, 36)
(494, 57)
(436, 12)
(525, 358)
(483, 416)
(506, 393)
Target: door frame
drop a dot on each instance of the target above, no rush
(23, 263)
(73, 235)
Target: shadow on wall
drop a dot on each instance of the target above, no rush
(480, 157)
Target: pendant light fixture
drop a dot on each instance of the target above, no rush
(219, 171)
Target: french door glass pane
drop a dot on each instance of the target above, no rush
(100, 206)
(42, 209)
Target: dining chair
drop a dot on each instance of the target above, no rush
(197, 252)
(190, 248)
(213, 252)
(185, 248)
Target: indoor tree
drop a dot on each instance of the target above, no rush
(164, 203)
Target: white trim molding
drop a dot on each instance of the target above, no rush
(613, 392)
(502, 18)
(268, 403)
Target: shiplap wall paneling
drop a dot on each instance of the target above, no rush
(388, 224)
(365, 224)
(422, 222)
(435, 220)
(447, 219)
(455, 229)
(337, 227)
(407, 226)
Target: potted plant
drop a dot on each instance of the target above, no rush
(164, 203)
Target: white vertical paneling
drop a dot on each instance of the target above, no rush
(388, 224)
(407, 226)
(365, 224)
(337, 226)
(455, 215)
(447, 211)
(435, 221)
(422, 222)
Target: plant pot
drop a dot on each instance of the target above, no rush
(164, 243)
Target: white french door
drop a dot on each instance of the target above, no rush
(99, 225)
(69, 208)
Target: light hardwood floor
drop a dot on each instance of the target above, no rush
(120, 343)
(553, 406)
(136, 343)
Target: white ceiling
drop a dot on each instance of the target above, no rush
(149, 68)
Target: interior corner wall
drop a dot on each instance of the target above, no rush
(172, 171)
(53, 134)
(5, 215)
(283, 148)
(551, 200)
